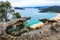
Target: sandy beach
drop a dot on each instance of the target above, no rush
(57, 17)
(37, 25)
(41, 24)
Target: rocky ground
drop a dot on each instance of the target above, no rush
(47, 32)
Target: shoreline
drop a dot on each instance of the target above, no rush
(37, 25)
(57, 17)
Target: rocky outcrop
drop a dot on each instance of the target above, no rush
(42, 34)
(48, 32)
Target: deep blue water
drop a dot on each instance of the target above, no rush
(35, 15)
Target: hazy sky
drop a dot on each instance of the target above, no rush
(24, 3)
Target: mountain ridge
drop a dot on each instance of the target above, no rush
(52, 9)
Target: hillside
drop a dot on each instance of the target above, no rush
(45, 33)
(52, 9)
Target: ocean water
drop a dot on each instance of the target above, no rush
(35, 15)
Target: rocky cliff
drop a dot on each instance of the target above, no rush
(48, 32)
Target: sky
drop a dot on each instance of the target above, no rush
(33, 3)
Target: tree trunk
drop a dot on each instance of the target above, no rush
(6, 17)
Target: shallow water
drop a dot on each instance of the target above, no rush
(35, 15)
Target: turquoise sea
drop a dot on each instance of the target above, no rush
(35, 15)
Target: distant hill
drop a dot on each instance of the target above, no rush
(21, 8)
(41, 7)
(37, 7)
(52, 9)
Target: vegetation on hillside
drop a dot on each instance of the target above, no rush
(5, 9)
(52, 9)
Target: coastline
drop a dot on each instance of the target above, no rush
(57, 17)
(37, 25)
(41, 24)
